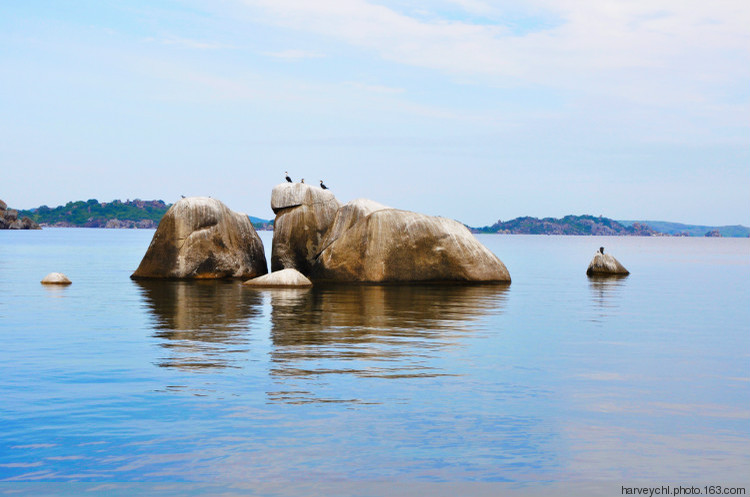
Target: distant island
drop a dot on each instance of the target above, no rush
(147, 214)
(592, 225)
(93, 214)
(143, 214)
(678, 229)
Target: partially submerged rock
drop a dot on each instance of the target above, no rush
(303, 215)
(365, 241)
(56, 279)
(604, 264)
(391, 245)
(201, 238)
(285, 278)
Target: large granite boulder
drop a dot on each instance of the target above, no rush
(391, 245)
(605, 265)
(285, 278)
(201, 238)
(303, 215)
(347, 216)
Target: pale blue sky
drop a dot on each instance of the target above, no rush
(470, 109)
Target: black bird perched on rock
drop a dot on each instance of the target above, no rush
(601, 249)
(287, 177)
(303, 180)
(323, 186)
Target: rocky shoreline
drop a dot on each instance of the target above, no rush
(106, 224)
(9, 220)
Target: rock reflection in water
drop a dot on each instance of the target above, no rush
(606, 292)
(370, 331)
(203, 324)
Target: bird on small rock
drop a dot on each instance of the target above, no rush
(287, 176)
(323, 186)
(303, 180)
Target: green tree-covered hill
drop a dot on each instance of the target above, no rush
(568, 225)
(116, 214)
(93, 214)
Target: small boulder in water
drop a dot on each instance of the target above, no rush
(56, 279)
(285, 278)
(604, 264)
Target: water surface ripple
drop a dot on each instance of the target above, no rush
(555, 378)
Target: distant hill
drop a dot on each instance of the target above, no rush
(568, 225)
(261, 224)
(93, 214)
(147, 214)
(678, 229)
(116, 214)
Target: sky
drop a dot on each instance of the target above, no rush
(470, 109)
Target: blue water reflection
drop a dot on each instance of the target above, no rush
(557, 377)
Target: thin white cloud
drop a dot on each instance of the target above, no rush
(194, 44)
(445, 45)
(375, 88)
(294, 54)
(667, 47)
(476, 6)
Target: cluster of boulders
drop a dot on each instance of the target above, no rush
(364, 241)
(9, 220)
(316, 238)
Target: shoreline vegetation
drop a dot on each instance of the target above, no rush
(146, 214)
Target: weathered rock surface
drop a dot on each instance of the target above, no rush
(605, 264)
(9, 220)
(56, 279)
(392, 245)
(285, 278)
(347, 216)
(303, 215)
(201, 238)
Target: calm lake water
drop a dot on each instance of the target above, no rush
(554, 381)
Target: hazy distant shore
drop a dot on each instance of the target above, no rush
(146, 214)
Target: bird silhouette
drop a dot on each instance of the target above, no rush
(287, 177)
(323, 186)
